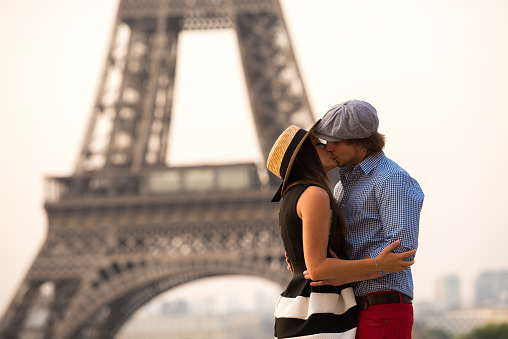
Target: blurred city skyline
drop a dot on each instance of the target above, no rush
(435, 71)
(187, 313)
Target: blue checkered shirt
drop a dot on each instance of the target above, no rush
(381, 203)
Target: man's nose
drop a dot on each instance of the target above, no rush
(329, 146)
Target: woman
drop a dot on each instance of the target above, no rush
(310, 223)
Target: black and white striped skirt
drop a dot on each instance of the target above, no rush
(323, 312)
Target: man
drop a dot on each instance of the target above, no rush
(381, 203)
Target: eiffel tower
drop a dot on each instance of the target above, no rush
(125, 226)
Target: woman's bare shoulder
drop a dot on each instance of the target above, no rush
(314, 195)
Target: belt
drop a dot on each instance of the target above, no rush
(382, 298)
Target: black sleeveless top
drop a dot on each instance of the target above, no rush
(290, 226)
(302, 309)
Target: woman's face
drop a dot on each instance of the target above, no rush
(325, 156)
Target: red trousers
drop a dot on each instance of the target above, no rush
(387, 321)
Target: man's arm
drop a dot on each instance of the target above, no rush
(400, 201)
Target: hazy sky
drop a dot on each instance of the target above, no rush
(436, 71)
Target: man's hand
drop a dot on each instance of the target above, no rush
(389, 262)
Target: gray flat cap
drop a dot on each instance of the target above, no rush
(353, 119)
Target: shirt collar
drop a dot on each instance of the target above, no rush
(366, 165)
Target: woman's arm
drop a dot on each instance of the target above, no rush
(338, 282)
(313, 207)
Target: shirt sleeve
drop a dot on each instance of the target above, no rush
(400, 201)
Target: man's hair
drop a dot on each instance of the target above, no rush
(308, 169)
(373, 144)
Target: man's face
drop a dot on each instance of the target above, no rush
(345, 155)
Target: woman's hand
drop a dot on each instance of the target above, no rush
(289, 267)
(393, 262)
(333, 282)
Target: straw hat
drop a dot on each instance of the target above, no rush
(283, 154)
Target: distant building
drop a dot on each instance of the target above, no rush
(448, 292)
(177, 307)
(492, 289)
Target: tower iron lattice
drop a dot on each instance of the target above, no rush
(125, 226)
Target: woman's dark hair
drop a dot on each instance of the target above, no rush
(308, 169)
(372, 144)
